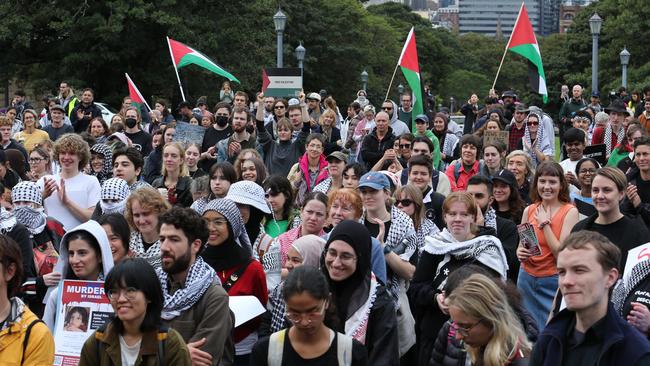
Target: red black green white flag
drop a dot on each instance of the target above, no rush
(523, 42)
(183, 55)
(408, 62)
(135, 95)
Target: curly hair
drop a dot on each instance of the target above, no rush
(187, 220)
(73, 143)
(346, 195)
(149, 199)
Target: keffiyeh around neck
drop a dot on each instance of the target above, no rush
(34, 219)
(608, 137)
(199, 278)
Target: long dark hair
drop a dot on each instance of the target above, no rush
(138, 273)
(92, 242)
(516, 204)
(119, 226)
(278, 184)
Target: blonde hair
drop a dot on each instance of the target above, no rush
(184, 172)
(150, 199)
(480, 297)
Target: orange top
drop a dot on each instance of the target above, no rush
(545, 265)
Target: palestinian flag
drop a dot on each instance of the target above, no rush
(408, 61)
(523, 42)
(136, 97)
(183, 55)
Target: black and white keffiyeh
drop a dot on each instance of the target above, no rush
(324, 186)
(199, 278)
(107, 167)
(115, 189)
(229, 210)
(626, 284)
(7, 221)
(609, 146)
(151, 255)
(27, 192)
(490, 218)
(540, 142)
(34, 219)
(485, 249)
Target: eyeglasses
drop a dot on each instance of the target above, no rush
(405, 146)
(296, 317)
(532, 123)
(35, 160)
(404, 203)
(585, 171)
(279, 107)
(345, 258)
(464, 330)
(130, 293)
(216, 222)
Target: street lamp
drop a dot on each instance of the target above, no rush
(625, 60)
(364, 79)
(280, 21)
(595, 23)
(452, 103)
(300, 55)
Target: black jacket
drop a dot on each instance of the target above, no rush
(280, 156)
(182, 190)
(372, 149)
(81, 125)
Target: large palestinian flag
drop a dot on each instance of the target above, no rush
(408, 62)
(136, 97)
(523, 42)
(183, 55)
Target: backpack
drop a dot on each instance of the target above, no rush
(276, 348)
(481, 166)
(162, 337)
(26, 339)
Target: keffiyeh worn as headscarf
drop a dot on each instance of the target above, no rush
(229, 210)
(34, 219)
(107, 168)
(199, 278)
(310, 247)
(114, 189)
(540, 142)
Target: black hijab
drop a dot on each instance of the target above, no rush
(226, 255)
(350, 294)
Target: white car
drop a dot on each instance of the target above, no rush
(107, 112)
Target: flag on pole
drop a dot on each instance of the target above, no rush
(136, 97)
(523, 42)
(183, 55)
(408, 62)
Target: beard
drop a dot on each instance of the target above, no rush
(179, 264)
(237, 128)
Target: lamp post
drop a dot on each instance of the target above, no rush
(595, 23)
(280, 21)
(300, 55)
(452, 103)
(364, 79)
(625, 60)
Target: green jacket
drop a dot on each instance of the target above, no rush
(569, 108)
(435, 154)
(175, 350)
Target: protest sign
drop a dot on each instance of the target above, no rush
(187, 133)
(82, 308)
(282, 83)
(596, 152)
(496, 136)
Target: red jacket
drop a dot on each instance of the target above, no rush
(460, 184)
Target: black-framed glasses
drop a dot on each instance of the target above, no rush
(405, 146)
(279, 107)
(464, 330)
(532, 123)
(295, 317)
(130, 293)
(404, 203)
(585, 171)
(35, 160)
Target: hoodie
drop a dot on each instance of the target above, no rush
(399, 127)
(52, 296)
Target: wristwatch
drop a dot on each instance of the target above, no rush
(387, 249)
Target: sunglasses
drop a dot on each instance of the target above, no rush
(532, 123)
(404, 203)
(405, 146)
(387, 108)
(279, 107)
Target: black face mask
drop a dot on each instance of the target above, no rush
(130, 122)
(250, 128)
(222, 121)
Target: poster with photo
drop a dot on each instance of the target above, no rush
(83, 307)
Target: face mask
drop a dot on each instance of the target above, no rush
(112, 207)
(33, 218)
(222, 121)
(250, 128)
(130, 122)
(361, 98)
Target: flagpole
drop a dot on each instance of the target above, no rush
(128, 78)
(499, 69)
(391, 81)
(171, 54)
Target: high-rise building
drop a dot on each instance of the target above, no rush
(481, 16)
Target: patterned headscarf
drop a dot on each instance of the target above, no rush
(229, 210)
(114, 189)
(107, 168)
(27, 192)
(34, 219)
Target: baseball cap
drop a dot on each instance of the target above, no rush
(422, 117)
(314, 96)
(57, 106)
(506, 177)
(374, 180)
(337, 155)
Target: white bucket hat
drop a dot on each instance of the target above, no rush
(248, 193)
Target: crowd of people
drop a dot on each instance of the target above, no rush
(371, 237)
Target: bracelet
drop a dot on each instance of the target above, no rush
(544, 223)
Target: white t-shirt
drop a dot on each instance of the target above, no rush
(82, 189)
(570, 166)
(129, 353)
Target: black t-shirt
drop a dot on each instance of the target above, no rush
(210, 139)
(141, 141)
(291, 357)
(643, 188)
(640, 293)
(374, 228)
